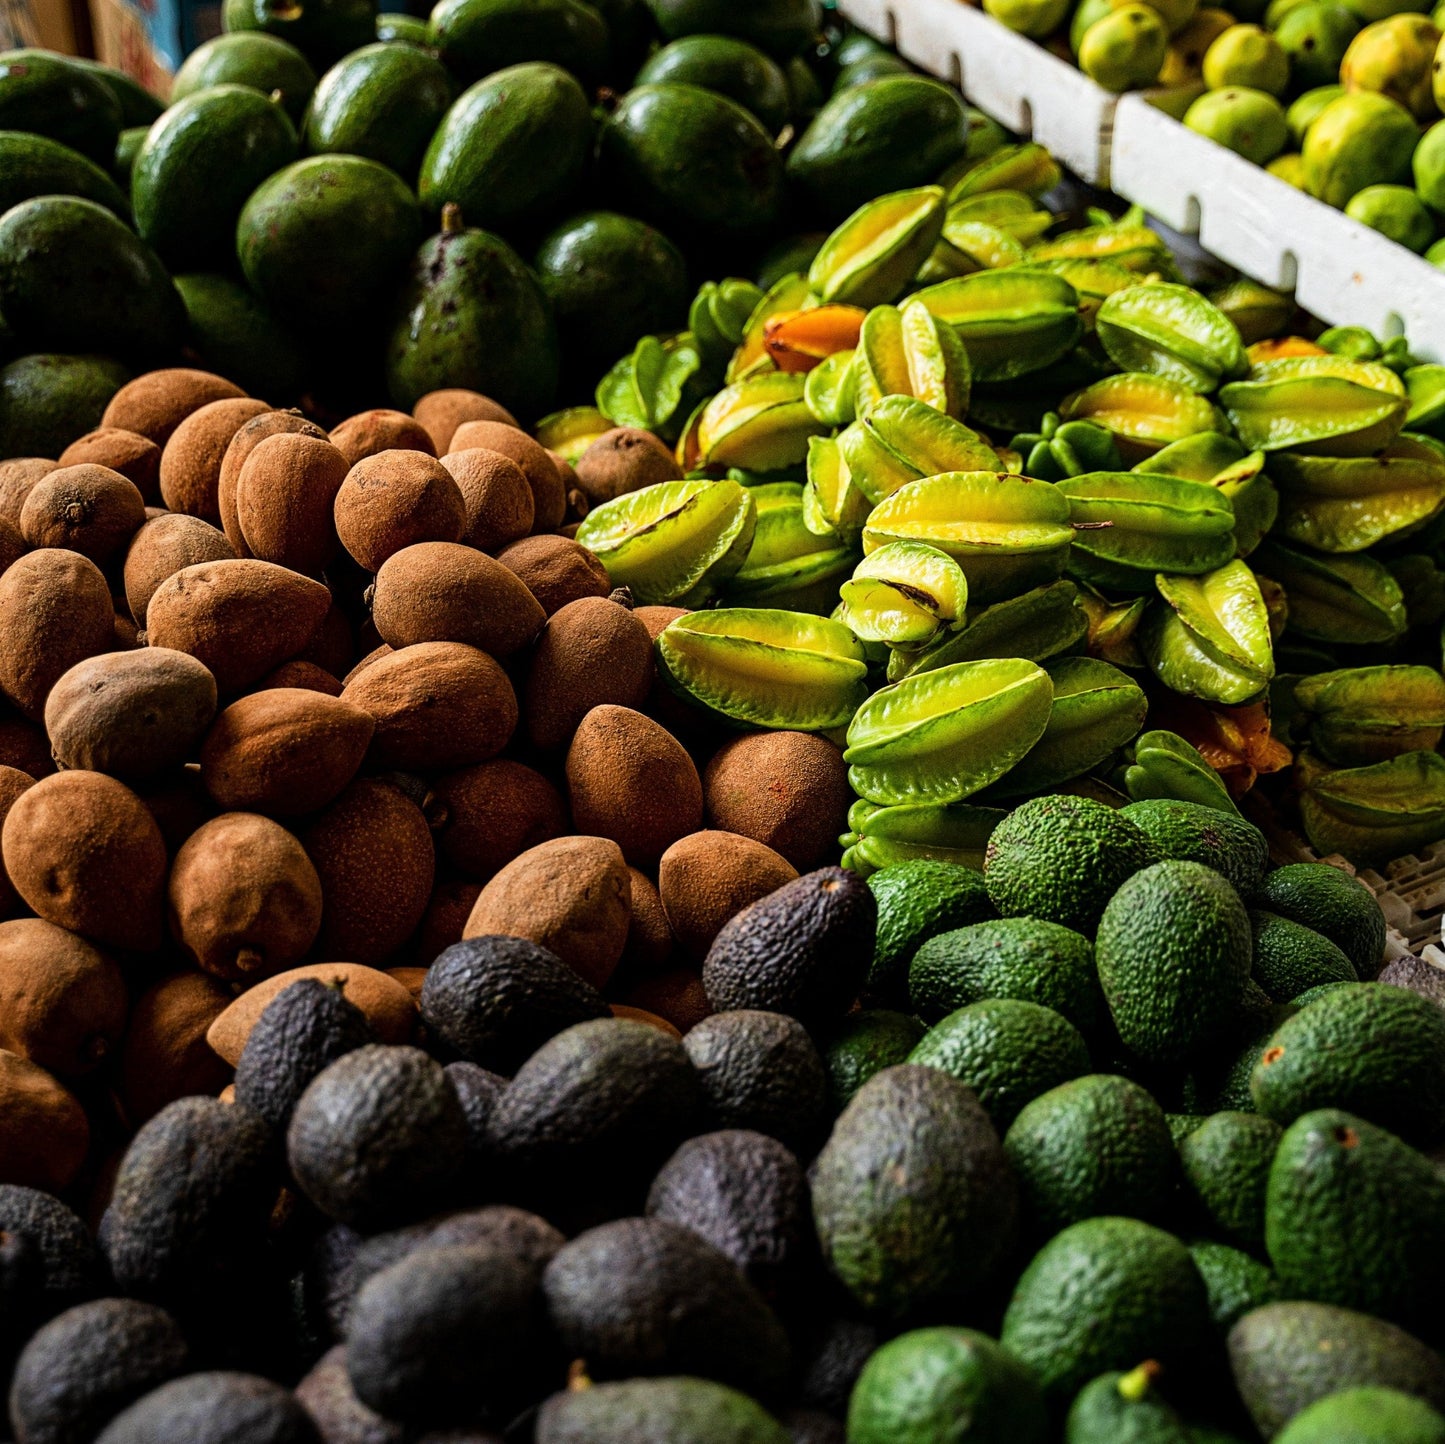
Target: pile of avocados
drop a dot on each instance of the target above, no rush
(344, 209)
(1127, 1137)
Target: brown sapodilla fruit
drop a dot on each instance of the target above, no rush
(649, 934)
(394, 499)
(708, 877)
(44, 1134)
(549, 497)
(165, 1055)
(24, 746)
(572, 895)
(333, 648)
(375, 655)
(494, 812)
(132, 715)
(245, 900)
(446, 592)
(441, 412)
(136, 457)
(241, 618)
(85, 853)
(55, 611)
(284, 499)
(63, 1003)
(156, 403)
(387, 1004)
(677, 995)
(306, 675)
(179, 805)
(631, 780)
(556, 570)
(17, 476)
(496, 495)
(590, 653)
(788, 790)
(373, 851)
(658, 618)
(437, 705)
(190, 471)
(12, 783)
(369, 432)
(251, 434)
(641, 1015)
(161, 548)
(284, 751)
(446, 915)
(87, 509)
(622, 460)
(12, 546)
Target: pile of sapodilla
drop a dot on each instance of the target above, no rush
(332, 702)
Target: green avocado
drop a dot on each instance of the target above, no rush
(1235, 1281)
(1333, 903)
(381, 102)
(729, 66)
(121, 301)
(513, 150)
(862, 1044)
(477, 37)
(1352, 1217)
(322, 30)
(34, 165)
(48, 401)
(781, 27)
(137, 105)
(249, 57)
(1290, 959)
(398, 29)
(471, 314)
(691, 161)
(1285, 1356)
(305, 254)
(1366, 1416)
(611, 279)
(199, 165)
(921, 1386)
(918, 900)
(1226, 1162)
(1118, 1408)
(887, 135)
(657, 1411)
(1221, 840)
(47, 94)
(126, 150)
(233, 334)
(870, 67)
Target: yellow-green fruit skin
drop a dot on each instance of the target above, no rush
(1125, 49)
(1395, 58)
(1358, 140)
(1247, 55)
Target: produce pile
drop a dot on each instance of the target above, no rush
(725, 915)
(1257, 77)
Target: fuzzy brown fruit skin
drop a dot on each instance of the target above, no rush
(373, 851)
(132, 715)
(17, 476)
(572, 895)
(441, 412)
(284, 499)
(242, 444)
(245, 900)
(55, 611)
(136, 457)
(632, 781)
(622, 460)
(190, 470)
(241, 618)
(591, 653)
(388, 1006)
(13, 546)
(87, 509)
(497, 497)
(85, 853)
(370, 432)
(305, 675)
(676, 994)
(788, 790)
(437, 705)
(24, 746)
(12, 783)
(708, 877)
(446, 916)
(496, 811)
(44, 1134)
(393, 500)
(649, 934)
(549, 496)
(155, 404)
(284, 751)
(63, 1003)
(165, 1055)
(445, 592)
(556, 570)
(163, 546)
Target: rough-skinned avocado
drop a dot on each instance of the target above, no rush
(48, 94)
(381, 102)
(249, 57)
(121, 303)
(1221, 840)
(912, 1195)
(35, 165)
(1333, 903)
(730, 66)
(470, 314)
(199, 165)
(1225, 1161)
(1120, 1408)
(918, 900)
(70, 1265)
(46, 401)
(213, 1408)
(656, 1411)
(1235, 1281)
(1290, 959)
(476, 37)
(1284, 1356)
(862, 1044)
(1366, 1416)
(234, 334)
(322, 30)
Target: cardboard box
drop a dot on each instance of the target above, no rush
(148, 39)
(62, 25)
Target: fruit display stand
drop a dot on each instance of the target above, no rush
(1339, 270)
